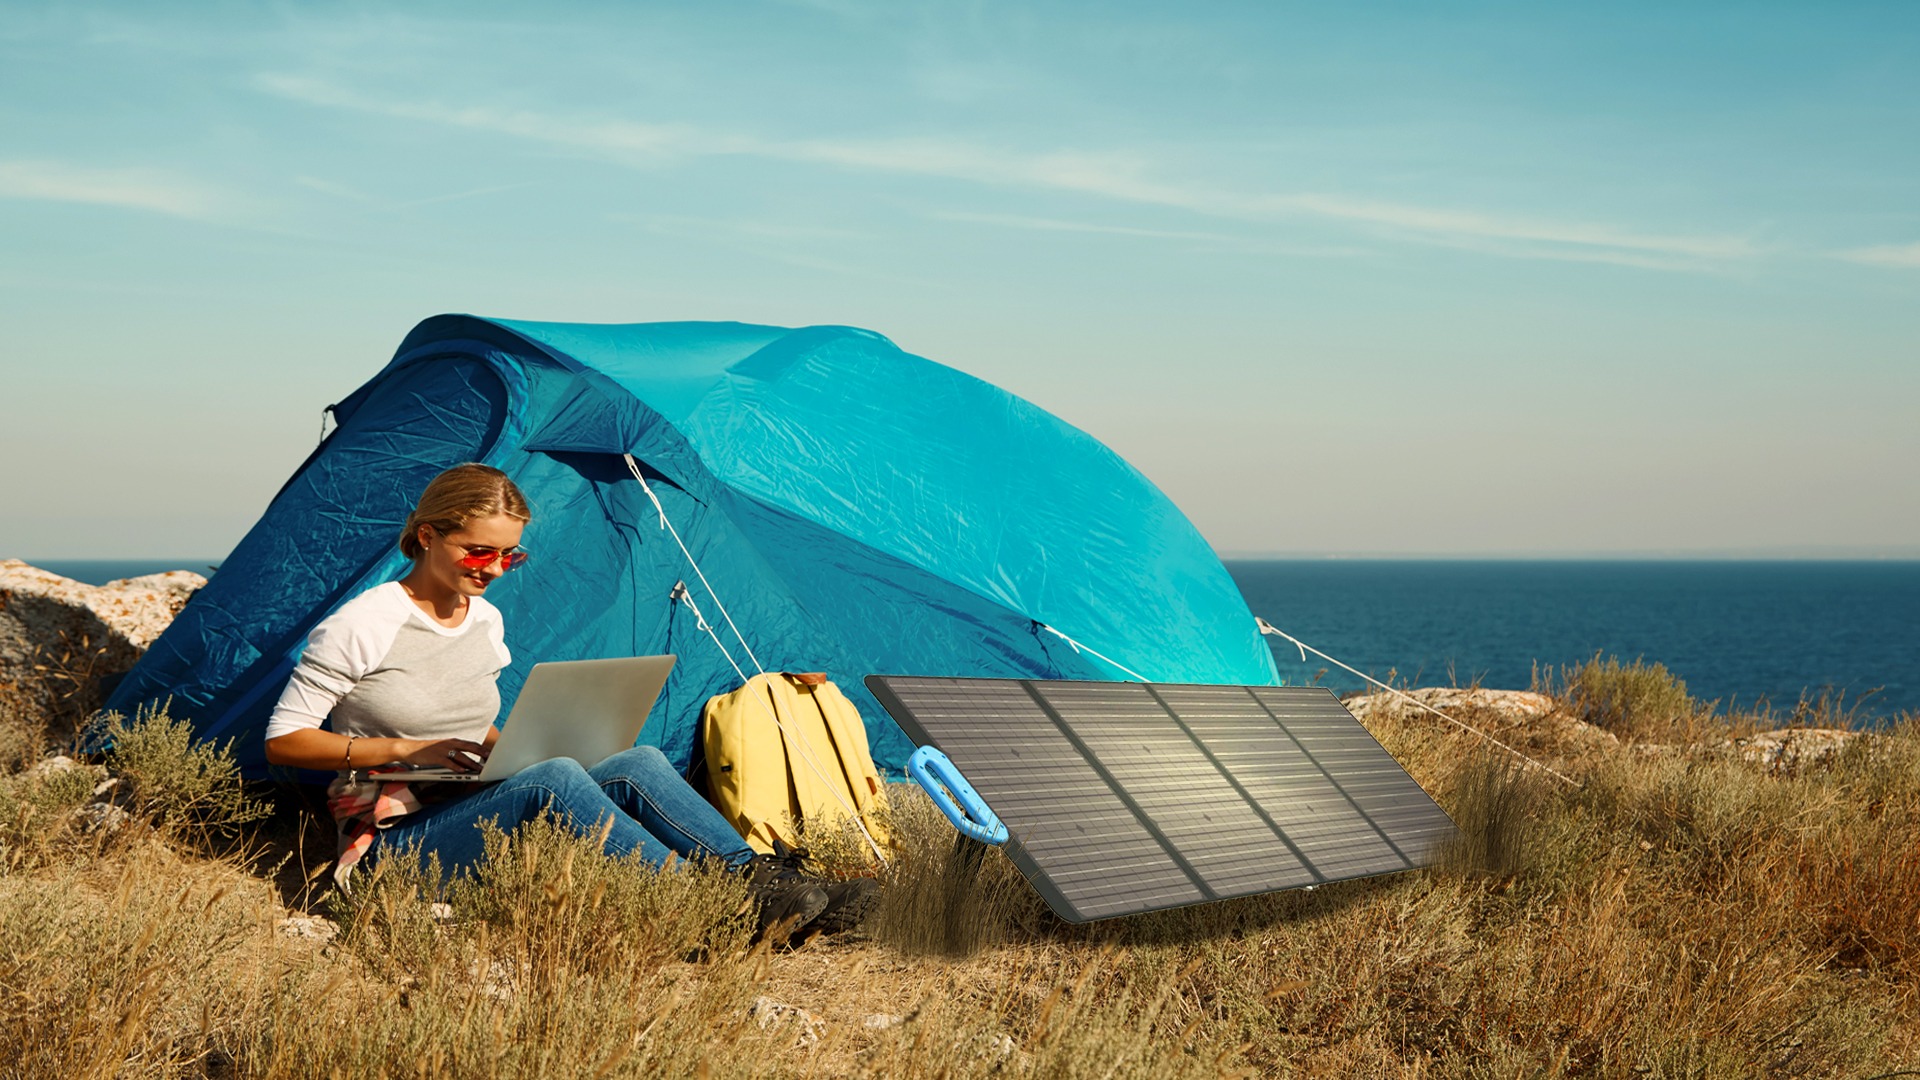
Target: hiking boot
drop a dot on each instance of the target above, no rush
(787, 898)
(784, 907)
(848, 902)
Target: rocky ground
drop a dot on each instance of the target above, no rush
(1527, 720)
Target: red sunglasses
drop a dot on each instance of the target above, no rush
(479, 558)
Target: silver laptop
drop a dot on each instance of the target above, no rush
(587, 710)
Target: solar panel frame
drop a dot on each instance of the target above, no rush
(1122, 797)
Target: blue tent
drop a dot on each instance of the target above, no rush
(858, 509)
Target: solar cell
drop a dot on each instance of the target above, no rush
(1122, 798)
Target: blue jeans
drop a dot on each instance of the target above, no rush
(654, 812)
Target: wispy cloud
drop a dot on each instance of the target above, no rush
(744, 228)
(129, 188)
(354, 194)
(1605, 256)
(1574, 235)
(795, 245)
(619, 138)
(1904, 256)
(1036, 224)
(1114, 176)
(1236, 241)
(456, 196)
(334, 188)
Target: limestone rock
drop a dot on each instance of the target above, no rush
(495, 979)
(60, 637)
(1788, 748)
(1519, 706)
(308, 928)
(770, 1014)
(50, 767)
(1530, 721)
(102, 817)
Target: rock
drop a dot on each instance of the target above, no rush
(495, 981)
(60, 637)
(1790, 748)
(50, 767)
(308, 928)
(769, 1014)
(101, 817)
(1532, 722)
(882, 1021)
(61, 765)
(997, 1047)
(1517, 706)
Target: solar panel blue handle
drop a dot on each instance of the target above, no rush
(962, 805)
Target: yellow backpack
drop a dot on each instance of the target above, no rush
(765, 777)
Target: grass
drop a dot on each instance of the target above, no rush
(1638, 701)
(1684, 913)
(193, 788)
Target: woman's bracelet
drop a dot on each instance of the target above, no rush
(348, 758)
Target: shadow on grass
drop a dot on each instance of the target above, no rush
(957, 898)
(294, 845)
(1238, 917)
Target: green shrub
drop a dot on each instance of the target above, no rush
(555, 905)
(1636, 701)
(176, 782)
(36, 813)
(566, 902)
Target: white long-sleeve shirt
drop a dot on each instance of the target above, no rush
(379, 667)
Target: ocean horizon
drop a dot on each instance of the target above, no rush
(1740, 632)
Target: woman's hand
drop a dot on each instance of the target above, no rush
(459, 755)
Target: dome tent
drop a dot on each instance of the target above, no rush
(857, 508)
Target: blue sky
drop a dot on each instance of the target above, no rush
(1451, 279)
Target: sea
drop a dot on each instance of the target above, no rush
(1744, 634)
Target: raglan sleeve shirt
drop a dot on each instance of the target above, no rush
(378, 667)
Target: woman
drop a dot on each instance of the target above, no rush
(405, 674)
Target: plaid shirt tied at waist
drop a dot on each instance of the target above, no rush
(363, 803)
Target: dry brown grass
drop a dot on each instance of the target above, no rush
(1683, 914)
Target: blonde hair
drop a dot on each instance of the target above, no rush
(460, 495)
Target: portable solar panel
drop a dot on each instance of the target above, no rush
(1121, 798)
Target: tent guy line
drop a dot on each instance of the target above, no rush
(634, 468)
(685, 596)
(1079, 648)
(1268, 628)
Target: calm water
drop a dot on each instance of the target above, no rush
(1733, 630)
